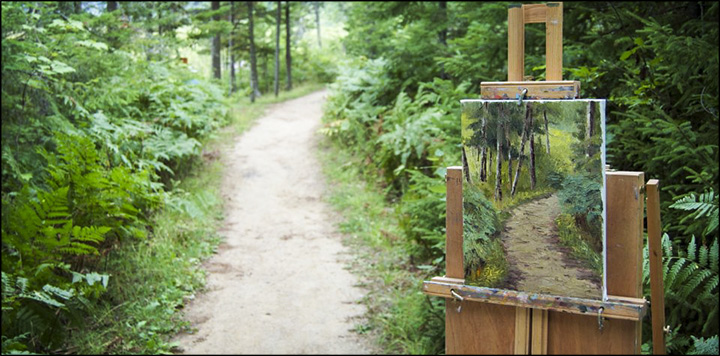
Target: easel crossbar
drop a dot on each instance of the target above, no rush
(625, 308)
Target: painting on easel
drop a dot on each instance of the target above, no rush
(534, 195)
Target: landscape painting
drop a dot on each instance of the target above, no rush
(534, 195)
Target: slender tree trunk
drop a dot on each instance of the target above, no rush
(264, 73)
(442, 34)
(509, 149)
(78, 6)
(528, 119)
(590, 128)
(466, 168)
(317, 22)
(533, 180)
(215, 5)
(233, 88)
(498, 165)
(288, 55)
(278, 14)
(254, 92)
(483, 152)
(547, 133)
(112, 6)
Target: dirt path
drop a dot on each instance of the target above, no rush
(279, 282)
(537, 261)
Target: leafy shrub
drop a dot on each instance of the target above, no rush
(89, 135)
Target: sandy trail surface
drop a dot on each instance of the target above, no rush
(536, 256)
(279, 282)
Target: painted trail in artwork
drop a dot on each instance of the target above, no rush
(533, 195)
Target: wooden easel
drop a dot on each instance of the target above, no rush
(482, 320)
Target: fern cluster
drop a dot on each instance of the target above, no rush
(691, 278)
(92, 138)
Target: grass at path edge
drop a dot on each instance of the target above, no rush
(400, 317)
(151, 280)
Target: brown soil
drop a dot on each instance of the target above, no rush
(279, 281)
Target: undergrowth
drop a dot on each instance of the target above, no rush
(154, 278)
(400, 316)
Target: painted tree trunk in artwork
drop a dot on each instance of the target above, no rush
(590, 128)
(498, 165)
(466, 168)
(547, 133)
(526, 127)
(483, 152)
(532, 159)
(509, 151)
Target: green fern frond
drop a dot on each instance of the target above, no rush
(709, 288)
(692, 249)
(704, 205)
(714, 256)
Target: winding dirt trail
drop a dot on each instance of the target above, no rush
(279, 281)
(538, 262)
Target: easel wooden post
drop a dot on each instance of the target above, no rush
(489, 321)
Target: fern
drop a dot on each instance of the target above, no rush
(691, 286)
(704, 205)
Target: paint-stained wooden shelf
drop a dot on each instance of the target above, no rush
(614, 308)
(559, 89)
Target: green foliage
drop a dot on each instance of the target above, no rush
(92, 135)
(704, 205)
(691, 290)
(657, 63)
(579, 196)
(486, 264)
(702, 346)
(581, 246)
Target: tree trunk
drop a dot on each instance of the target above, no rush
(498, 165)
(317, 22)
(278, 14)
(78, 6)
(532, 158)
(547, 134)
(288, 55)
(528, 119)
(112, 6)
(466, 168)
(509, 149)
(215, 5)
(233, 88)
(442, 34)
(254, 92)
(483, 152)
(590, 128)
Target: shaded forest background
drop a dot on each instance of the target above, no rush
(103, 124)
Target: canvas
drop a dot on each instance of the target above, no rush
(534, 195)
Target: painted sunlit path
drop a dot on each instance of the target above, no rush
(532, 247)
